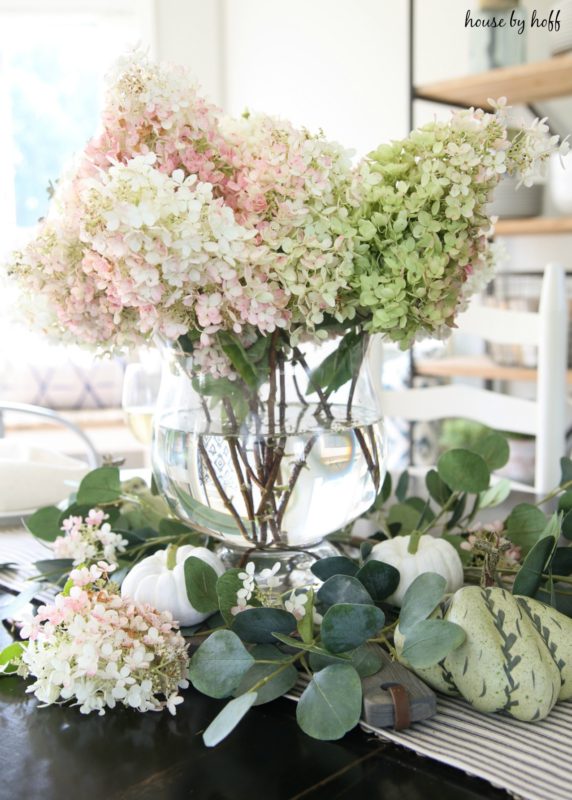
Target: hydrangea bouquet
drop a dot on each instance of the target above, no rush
(238, 242)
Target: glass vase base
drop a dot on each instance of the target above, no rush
(295, 564)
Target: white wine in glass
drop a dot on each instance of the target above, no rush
(140, 390)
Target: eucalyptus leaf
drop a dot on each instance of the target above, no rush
(227, 587)
(403, 518)
(385, 492)
(402, 486)
(173, 527)
(565, 501)
(421, 599)
(342, 589)
(260, 624)
(463, 471)
(219, 664)
(298, 644)
(232, 347)
(227, 720)
(430, 640)
(561, 563)
(348, 625)
(494, 450)
(54, 569)
(331, 703)
(305, 625)
(200, 583)
(529, 576)
(367, 659)
(339, 366)
(45, 523)
(10, 654)
(379, 579)
(457, 512)
(101, 485)
(280, 675)
(437, 488)
(324, 568)
(496, 495)
(566, 471)
(525, 525)
(567, 525)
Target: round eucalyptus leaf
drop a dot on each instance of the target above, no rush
(525, 525)
(259, 624)
(464, 471)
(331, 703)
(200, 582)
(342, 589)
(219, 664)
(101, 485)
(366, 659)
(348, 625)
(529, 576)
(282, 677)
(437, 488)
(421, 599)
(227, 720)
(334, 565)
(494, 450)
(430, 641)
(379, 579)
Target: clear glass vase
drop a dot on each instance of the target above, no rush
(277, 458)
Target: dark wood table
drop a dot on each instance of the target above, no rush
(56, 753)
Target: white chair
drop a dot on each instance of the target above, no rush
(546, 418)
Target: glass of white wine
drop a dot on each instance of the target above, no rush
(140, 390)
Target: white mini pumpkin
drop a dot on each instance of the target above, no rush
(433, 555)
(153, 581)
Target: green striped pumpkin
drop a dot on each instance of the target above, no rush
(516, 657)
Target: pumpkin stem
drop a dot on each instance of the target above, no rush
(413, 545)
(172, 556)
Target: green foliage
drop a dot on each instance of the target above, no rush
(379, 579)
(45, 523)
(280, 675)
(237, 355)
(99, 487)
(430, 640)
(348, 625)
(342, 589)
(339, 367)
(437, 488)
(259, 625)
(331, 703)
(219, 664)
(9, 656)
(525, 525)
(200, 583)
(494, 451)
(464, 471)
(334, 565)
(366, 659)
(227, 719)
(421, 599)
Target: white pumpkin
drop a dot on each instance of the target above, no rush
(153, 581)
(433, 555)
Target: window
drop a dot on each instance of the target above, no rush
(53, 58)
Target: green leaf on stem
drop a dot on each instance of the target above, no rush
(437, 488)
(342, 589)
(463, 471)
(529, 576)
(232, 347)
(298, 644)
(385, 492)
(561, 563)
(367, 659)
(565, 501)
(338, 367)
(227, 719)
(402, 518)
(281, 675)
(227, 587)
(421, 599)
(379, 579)
(54, 569)
(494, 450)
(200, 583)
(102, 485)
(430, 640)
(496, 495)
(306, 623)
(324, 568)
(219, 664)
(331, 703)
(259, 625)
(10, 654)
(348, 625)
(402, 486)
(45, 523)
(457, 512)
(566, 471)
(525, 525)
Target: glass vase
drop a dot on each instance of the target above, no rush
(275, 458)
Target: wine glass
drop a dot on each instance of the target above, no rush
(140, 390)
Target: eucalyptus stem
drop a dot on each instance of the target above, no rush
(283, 665)
(554, 493)
(446, 506)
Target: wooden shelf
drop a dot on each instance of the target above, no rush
(525, 83)
(531, 226)
(475, 367)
